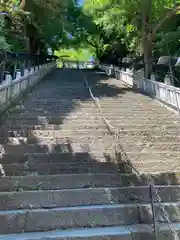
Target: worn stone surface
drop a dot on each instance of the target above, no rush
(59, 168)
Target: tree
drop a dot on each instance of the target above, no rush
(3, 43)
(40, 23)
(136, 22)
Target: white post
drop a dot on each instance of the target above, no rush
(18, 75)
(167, 80)
(8, 79)
(153, 78)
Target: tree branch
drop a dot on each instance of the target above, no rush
(22, 4)
(90, 43)
(173, 11)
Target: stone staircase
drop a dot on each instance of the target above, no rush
(60, 178)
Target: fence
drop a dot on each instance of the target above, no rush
(19, 72)
(167, 94)
(78, 64)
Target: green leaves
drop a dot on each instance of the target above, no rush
(79, 54)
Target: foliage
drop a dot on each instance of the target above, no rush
(79, 54)
(104, 27)
(127, 19)
(48, 17)
(3, 43)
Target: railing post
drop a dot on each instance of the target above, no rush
(177, 102)
(153, 210)
(14, 69)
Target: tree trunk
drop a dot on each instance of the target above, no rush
(147, 30)
(148, 47)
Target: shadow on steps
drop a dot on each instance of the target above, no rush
(60, 168)
(30, 165)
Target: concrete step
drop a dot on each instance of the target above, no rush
(73, 114)
(49, 157)
(69, 198)
(160, 178)
(55, 111)
(78, 113)
(89, 132)
(143, 121)
(86, 180)
(58, 168)
(63, 106)
(159, 142)
(70, 125)
(138, 231)
(53, 133)
(16, 221)
(81, 140)
(121, 120)
(66, 153)
(157, 167)
(148, 138)
(101, 233)
(150, 132)
(153, 147)
(47, 199)
(92, 123)
(158, 156)
(18, 149)
(89, 125)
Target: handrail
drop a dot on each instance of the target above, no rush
(14, 63)
(168, 94)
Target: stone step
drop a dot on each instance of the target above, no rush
(69, 181)
(55, 110)
(143, 121)
(63, 181)
(45, 109)
(66, 198)
(47, 199)
(57, 168)
(92, 112)
(132, 232)
(75, 113)
(53, 133)
(126, 141)
(153, 147)
(87, 180)
(69, 152)
(63, 128)
(18, 149)
(16, 221)
(62, 106)
(93, 123)
(101, 233)
(149, 133)
(47, 157)
(158, 156)
(89, 132)
(150, 138)
(157, 167)
(58, 120)
(162, 178)
(71, 125)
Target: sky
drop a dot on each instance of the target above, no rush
(80, 2)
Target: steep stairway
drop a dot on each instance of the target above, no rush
(60, 178)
